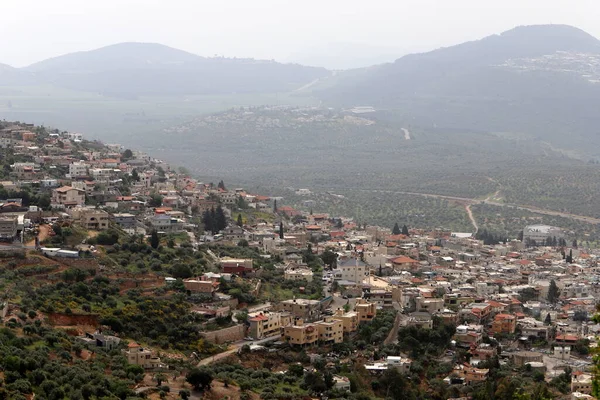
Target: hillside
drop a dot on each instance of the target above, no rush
(140, 69)
(500, 83)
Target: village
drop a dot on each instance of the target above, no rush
(262, 278)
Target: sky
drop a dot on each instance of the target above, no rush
(33, 30)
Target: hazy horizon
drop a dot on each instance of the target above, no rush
(270, 29)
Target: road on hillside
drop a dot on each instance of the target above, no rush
(235, 347)
(467, 201)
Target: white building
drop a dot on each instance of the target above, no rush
(78, 169)
(539, 233)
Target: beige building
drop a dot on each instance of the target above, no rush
(308, 310)
(266, 324)
(582, 383)
(137, 355)
(298, 274)
(301, 334)
(199, 286)
(366, 311)
(92, 219)
(349, 320)
(68, 196)
(330, 330)
(432, 306)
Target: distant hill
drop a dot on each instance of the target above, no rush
(135, 69)
(14, 76)
(530, 79)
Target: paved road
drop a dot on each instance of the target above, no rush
(234, 347)
(467, 201)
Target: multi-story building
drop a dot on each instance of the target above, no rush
(539, 233)
(307, 310)
(430, 305)
(238, 266)
(504, 323)
(467, 335)
(92, 219)
(349, 320)
(8, 228)
(137, 355)
(351, 270)
(24, 170)
(582, 383)
(166, 223)
(266, 324)
(125, 220)
(300, 333)
(330, 330)
(380, 297)
(78, 169)
(366, 311)
(298, 274)
(68, 196)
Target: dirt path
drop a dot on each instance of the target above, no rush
(471, 217)
(43, 234)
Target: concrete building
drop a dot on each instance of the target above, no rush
(352, 270)
(137, 355)
(366, 311)
(504, 323)
(166, 223)
(539, 233)
(125, 220)
(298, 274)
(307, 310)
(200, 286)
(68, 196)
(8, 228)
(266, 324)
(92, 219)
(300, 333)
(78, 169)
(582, 383)
(331, 330)
(349, 320)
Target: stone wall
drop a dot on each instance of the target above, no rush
(232, 334)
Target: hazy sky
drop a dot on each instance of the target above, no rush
(33, 30)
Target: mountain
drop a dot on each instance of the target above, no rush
(342, 56)
(536, 79)
(115, 57)
(138, 69)
(14, 76)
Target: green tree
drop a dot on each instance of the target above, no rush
(220, 219)
(127, 155)
(199, 379)
(240, 221)
(553, 292)
(135, 176)
(154, 240)
(281, 230)
(405, 230)
(548, 319)
(155, 200)
(396, 230)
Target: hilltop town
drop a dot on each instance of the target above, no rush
(117, 263)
